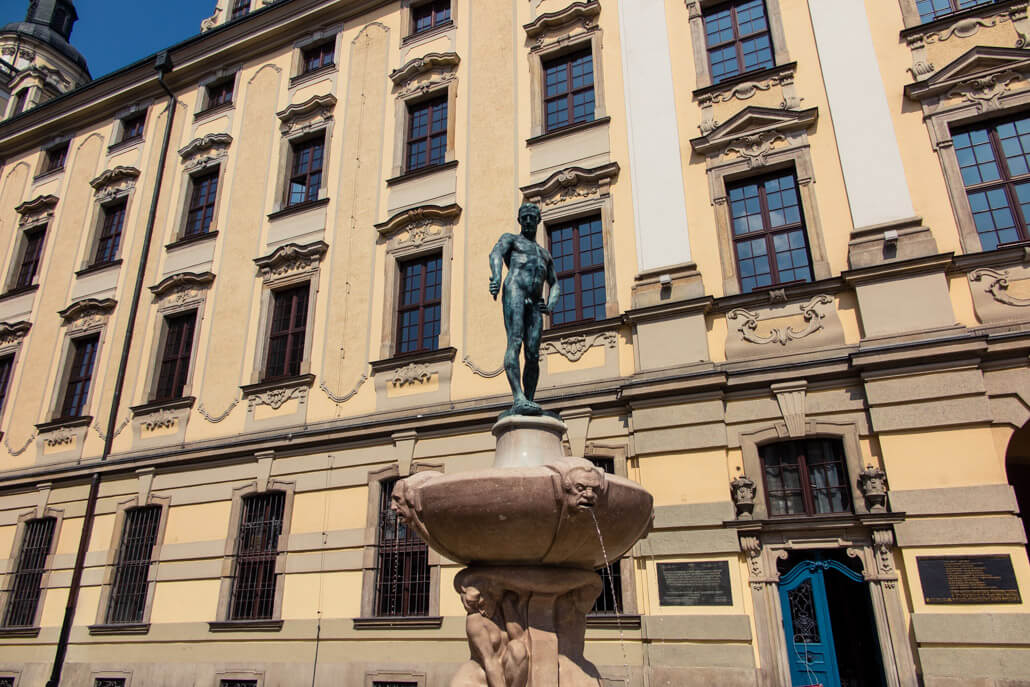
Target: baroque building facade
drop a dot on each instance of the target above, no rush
(245, 289)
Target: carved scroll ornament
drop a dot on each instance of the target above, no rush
(748, 327)
(997, 284)
(572, 348)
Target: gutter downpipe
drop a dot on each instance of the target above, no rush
(163, 65)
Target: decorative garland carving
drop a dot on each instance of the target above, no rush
(754, 148)
(418, 222)
(578, 14)
(571, 184)
(291, 259)
(412, 373)
(13, 332)
(487, 374)
(308, 114)
(964, 28)
(59, 437)
(219, 417)
(277, 398)
(24, 447)
(347, 396)
(182, 287)
(117, 430)
(418, 74)
(89, 313)
(997, 283)
(162, 419)
(572, 348)
(810, 311)
(39, 209)
(985, 93)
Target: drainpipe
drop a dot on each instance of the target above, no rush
(163, 65)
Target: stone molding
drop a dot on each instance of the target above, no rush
(982, 69)
(790, 396)
(12, 333)
(996, 283)
(424, 74)
(39, 209)
(550, 25)
(276, 393)
(745, 87)
(290, 260)
(752, 133)
(182, 287)
(813, 312)
(206, 150)
(572, 184)
(572, 348)
(419, 223)
(114, 182)
(313, 113)
(87, 314)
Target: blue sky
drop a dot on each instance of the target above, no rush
(115, 33)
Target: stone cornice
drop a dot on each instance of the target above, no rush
(316, 103)
(570, 177)
(37, 204)
(292, 257)
(181, 279)
(203, 143)
(443, 214)
(551, 20)
(981, 67)
(421, 65)
(11, 332)
(754, 126)
(87, 306)
(113, 176)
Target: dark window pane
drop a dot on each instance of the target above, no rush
(31, 254)
(738, 39)
(807, 476)
(935, 9)
(578, 251)
(402, 564)
(427, 133)
(204, 189)
(305, 171)
(56, 158)
(430, 14)
(419, 305)
(318, 56)
(287, 332)
(80, 376)
(257, 546)
(569, 90)
(24, 589)
(132, 127)
(110, 238)
(175, 361)
(240, 8)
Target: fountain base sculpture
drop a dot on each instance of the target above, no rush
(532, 530)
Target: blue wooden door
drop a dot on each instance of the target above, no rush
(806, 622)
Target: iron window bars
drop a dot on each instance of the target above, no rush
(26, 586)
(132, 568)
(257, 547)
(402, 564)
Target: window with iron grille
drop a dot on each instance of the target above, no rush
(418, 312)
(402, 563)
(203, 191)
(578, 251)
(6, 681)
(25, 589)
(610, 601)
(286, 335)
(237, 683)
(430, 15)
(175, 360)
(132, 568)
(305, 171)
(737, 35)
(110, 238)
(935, 9)
(569, 90)
(31, 255)
(80, 376)
(427, 133)
(806, 477)
(769, 240)
(6, 366)
(393, 683)
(240, 8)
(132, 127)
(317, 56)
(995, 162)
(109, 682)
(257, 547)
(220, 92)
(56, 158)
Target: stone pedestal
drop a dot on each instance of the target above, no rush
(526, 626)
(528, 441)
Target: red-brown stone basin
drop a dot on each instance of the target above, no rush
(527, 516)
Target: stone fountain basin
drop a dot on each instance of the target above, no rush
(527, 515)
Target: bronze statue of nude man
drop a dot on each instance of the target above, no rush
(529, 267)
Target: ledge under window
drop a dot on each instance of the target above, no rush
(222, 107)
(580, 327)
(299, 207)
(78, 421)
(20, 291)
(43, 176)
(245, 625)
(312, 75)
(423, 622)
(19, 632)
(947, 20)
(166, 404)
(442, 27)
(120, 629)
(420, 172)
(126, 143)
(436, 355)
(192, 238)
(755, 75)
(279, 383)
(566, 130)
(98, 267)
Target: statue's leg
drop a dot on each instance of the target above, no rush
(515, 325)
(534, 328)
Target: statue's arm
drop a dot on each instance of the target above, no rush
(483, 652)
(552, 287)
(501, 249)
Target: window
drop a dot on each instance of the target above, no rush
(737, 35)
(427, 133)
(769, 241)
(995, 163)
(240, 8)
(203, 191)
(286, 338)
(317, 56)
(132, 127)
(6, 681)
(305, 171)
(21, 100)
(80, 376)
(934, 9)
(175, 360)
(610, 600)
(578, 251)
(132, 568)
(6, 365)
(109, 682)
(56, 157)
(806, 477)
(402, 564)
(418, 312)
(257, 546)
(220, 92)
(31, 255)
(237, 683)
(393, 683)
(569, 90)
(26, 586)
(430, 15)
(110, 238)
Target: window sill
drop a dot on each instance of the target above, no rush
(60, 423)
(298, 207)
(580, 327)
(422, 622)
(47, 175)
(753, 75)
(955, 17)
(442, 27)
(778, 293)
(192, 238)
(814, 522)
(437, 355)
(20, 291)
(124, 144)
(566, 130)
(421, 172)
(611, 621)
(98, 267)
(166, 404)
(224, 107)
(11, 632)
(120, 629)
(312, 75)
(277, 383)
(245, 625)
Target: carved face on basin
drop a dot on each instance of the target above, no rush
(582, 487)
(400, 504)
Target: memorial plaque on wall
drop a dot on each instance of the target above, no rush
(704, 583)
(968, 579)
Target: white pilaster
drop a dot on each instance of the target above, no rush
(659, 203)
(873, 171)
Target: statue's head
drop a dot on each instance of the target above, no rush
(529, 218)
(478, 597)
(582, 487)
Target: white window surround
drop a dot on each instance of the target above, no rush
(300, 122)
(418, 80)
(111, 187)
(200, 156)
(33, 214)
(317, 37)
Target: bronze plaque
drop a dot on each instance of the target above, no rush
(705, 583)
(968, 579)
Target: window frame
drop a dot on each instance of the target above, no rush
(435, 25)
(421, 305)
(577, 271)
(295, 144)
(69, 378)
(27, 235)
(239, 10)
(290, 333)
(732, 5)
(219, 94)
(47, 166)
(82, 319)
(702, 68)
(177, 358)
(208, 171)
(320, 46)
(567, 59)
(40, 512)
(102, 231)
(415, 82)
(412, 106)
(913, 18)
(806, 488)
(125, 133)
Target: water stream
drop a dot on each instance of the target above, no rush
(615, 600)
